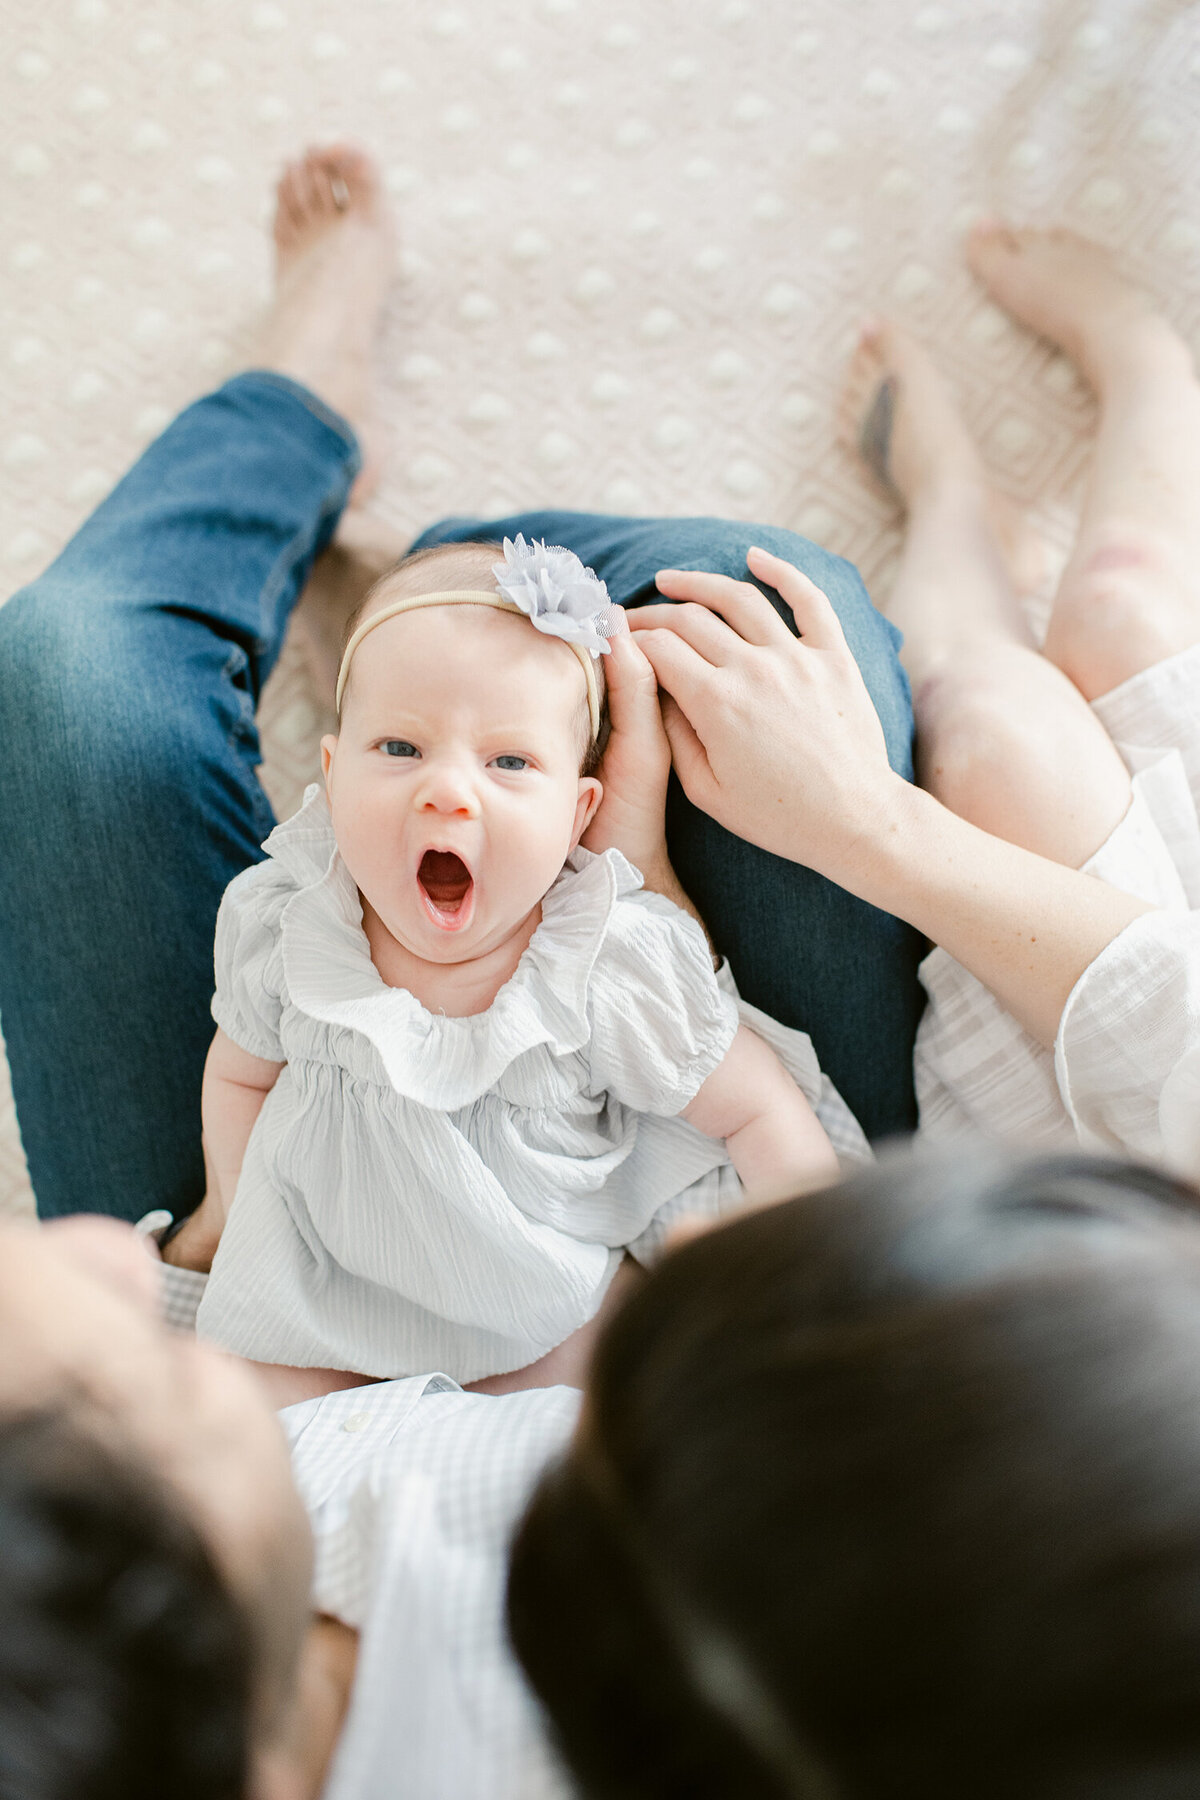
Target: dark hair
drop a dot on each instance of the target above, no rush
(125, 1664)
(889, 1492)
(462, 559)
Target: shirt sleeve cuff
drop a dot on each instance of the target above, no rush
(182, 1289)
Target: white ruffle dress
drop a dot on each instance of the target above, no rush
(423, 1192)
(1124, 1074)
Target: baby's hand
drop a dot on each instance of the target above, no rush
(637, 762)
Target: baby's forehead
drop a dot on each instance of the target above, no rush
(489, 638)
(506, 633)
(494, 657)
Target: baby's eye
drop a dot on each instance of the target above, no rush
(511, 762)
(399, 747)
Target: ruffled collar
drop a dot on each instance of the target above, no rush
(430, 1058)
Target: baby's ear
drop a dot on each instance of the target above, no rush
(328, 746)
(591, 792)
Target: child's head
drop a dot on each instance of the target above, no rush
(460, 778)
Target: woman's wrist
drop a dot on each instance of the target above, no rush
(874, 847)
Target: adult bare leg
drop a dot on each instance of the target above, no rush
(1004, 739)
(1130, 595)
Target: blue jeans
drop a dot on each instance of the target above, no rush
(129, 675)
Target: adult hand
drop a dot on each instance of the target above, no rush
(195, 1243)
(774, 736)
(637, 762)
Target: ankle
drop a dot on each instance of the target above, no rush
(948, 492)
(1134, 354)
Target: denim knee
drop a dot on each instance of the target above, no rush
(720, 545)
(117, 711)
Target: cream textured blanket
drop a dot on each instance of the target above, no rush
(637, 238)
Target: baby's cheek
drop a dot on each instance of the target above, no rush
(365, 846)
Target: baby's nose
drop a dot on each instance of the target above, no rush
(448, 789)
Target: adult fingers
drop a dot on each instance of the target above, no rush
(749, 613)
(816, 621)
(689, 756)
(679, 669)
(707, 634)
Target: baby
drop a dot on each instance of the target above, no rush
(463, 1064)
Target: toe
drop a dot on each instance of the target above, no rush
(358, 172)
(308, 189)
(287, 213)
(993, 251)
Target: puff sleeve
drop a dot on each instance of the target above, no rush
(248, 959)
(659, 1022)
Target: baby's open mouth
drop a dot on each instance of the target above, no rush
(446, 884)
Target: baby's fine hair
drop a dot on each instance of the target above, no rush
(466, 565)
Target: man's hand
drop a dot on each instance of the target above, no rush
(637, 762)
(195, 1243)
(774, 736)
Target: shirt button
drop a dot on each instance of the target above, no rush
(356, 1422)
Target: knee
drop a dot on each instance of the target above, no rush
(970, 739)
(1122, 581)
(721, 545)
(79, 689)
(1126, 604)
(59, 658)
(44, 650)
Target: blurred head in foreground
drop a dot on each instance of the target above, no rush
(154, 1555)
(892, 1491)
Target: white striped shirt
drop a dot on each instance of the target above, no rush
(414, 1489)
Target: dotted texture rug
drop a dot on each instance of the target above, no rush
(636, 241)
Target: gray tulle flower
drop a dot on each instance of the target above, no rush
(561, 597)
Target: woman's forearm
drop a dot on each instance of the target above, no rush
(1025, 927)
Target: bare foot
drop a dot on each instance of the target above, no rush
(1067, 290)
(899, 413)
(334, 248)
(363, 550)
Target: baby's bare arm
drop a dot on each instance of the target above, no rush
(775, 1140)
(235, 1086)
(231, 1098)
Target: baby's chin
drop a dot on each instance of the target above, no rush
(455, 939)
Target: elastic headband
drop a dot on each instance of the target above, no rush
(466, 597)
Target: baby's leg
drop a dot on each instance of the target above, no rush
(1130, 595)
(1003, 738)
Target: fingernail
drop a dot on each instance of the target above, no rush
(757, 550)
